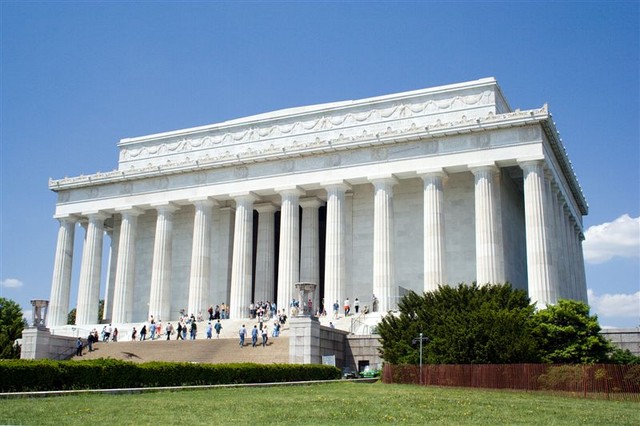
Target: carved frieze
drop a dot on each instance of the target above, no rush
(282, 129)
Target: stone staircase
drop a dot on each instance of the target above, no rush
(226, 349)
(214, 351)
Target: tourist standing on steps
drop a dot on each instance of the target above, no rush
(209, 329)
(179, 336)
(242, 333)
(169, 330)
(347, 307)
(79, 347)
(265, 335)
(356, 305)
(194, 330)
(336, 309)
(143, 332)
(114, 338)
(218, 327)
(134, 334)
(152, 329)
(90, 342)
(254, 336)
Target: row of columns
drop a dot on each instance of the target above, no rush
(550, 235)
(555, 264)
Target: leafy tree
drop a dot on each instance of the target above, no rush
(467, 324)
(71, 317)
(623, 356)
(101, 310)
(566, 333)
(11, 326)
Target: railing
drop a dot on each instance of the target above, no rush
(358, 326)
(596, 380)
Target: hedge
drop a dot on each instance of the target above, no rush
(47, 375)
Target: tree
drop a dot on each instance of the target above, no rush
(11, 326)
(623, 356)
(566, 333)
(467, 324)
(71, 317)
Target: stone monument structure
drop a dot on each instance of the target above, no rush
(374, 196)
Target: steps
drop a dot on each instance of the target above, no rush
(214, 351)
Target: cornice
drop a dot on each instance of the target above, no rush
(550, 130)
(389, 136)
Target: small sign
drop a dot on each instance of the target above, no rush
(329, 360)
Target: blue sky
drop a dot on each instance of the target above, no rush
(76, 77)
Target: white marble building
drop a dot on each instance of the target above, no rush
(375, 196)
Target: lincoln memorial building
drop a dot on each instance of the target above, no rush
(377, 196)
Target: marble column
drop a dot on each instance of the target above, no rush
(384, 286)
(265, 256)
(200, 273)
(160, 297)
(224, 222)
(334, 265)
(241, 268)
(90, 271)
(541, 290)
(582, 278)
(489, 249)
(289, 255)
(310, 246)
(112, 258)
(61, 280)
(571, 271)
(552, 232)
(560, 243)
(122, 311)
(434, 236)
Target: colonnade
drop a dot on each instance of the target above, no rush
(554, 259)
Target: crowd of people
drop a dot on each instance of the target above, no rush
(187, 325)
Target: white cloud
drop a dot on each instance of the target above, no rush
(11, 283)
(615, 305)
(618, 238)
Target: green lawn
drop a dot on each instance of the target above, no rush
(323, 404)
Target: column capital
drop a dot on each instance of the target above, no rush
(70, 218)
(247, 196)
(529, 162)
(166, 207)
(336, 184)
(289, 190)
(96, 215)
(483, 167)
(265, 207)
(383, 180)
(203, 202)
(430, 173)
(313, 202)
(130, 210)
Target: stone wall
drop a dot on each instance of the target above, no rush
(39, 343)
(625, 338)
(361, 350)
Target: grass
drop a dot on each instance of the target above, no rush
(324, 404)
